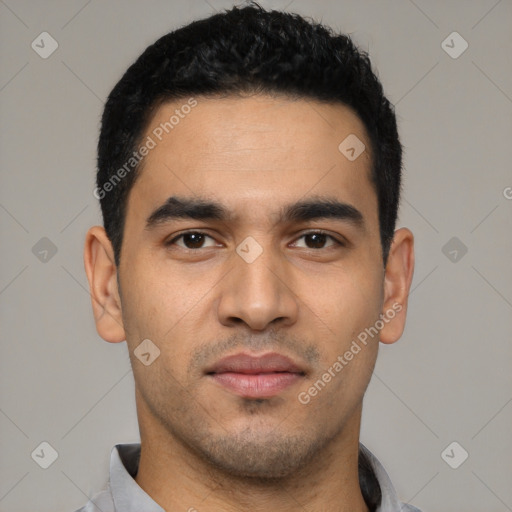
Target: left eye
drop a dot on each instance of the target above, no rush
(195, 240)
(319, 238)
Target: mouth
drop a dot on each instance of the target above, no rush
(256, 376)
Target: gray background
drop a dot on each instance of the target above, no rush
(449, 377)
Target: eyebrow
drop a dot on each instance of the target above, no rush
(306, 210)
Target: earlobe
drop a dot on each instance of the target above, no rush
(101, 273)
(397, 284)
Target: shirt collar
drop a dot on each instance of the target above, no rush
(128, 496)
(389, 500)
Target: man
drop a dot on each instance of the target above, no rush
(249, 173)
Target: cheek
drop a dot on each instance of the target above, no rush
(152, 291)
(147, 305)
(155, 307)
(348, 302)
(337, 390)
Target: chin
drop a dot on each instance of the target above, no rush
(261, 457)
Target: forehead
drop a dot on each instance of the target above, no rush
(254, 154)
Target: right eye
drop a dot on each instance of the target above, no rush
(192, 240)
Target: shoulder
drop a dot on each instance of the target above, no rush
(101, 502)
(389, 500)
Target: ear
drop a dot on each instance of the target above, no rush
(101, 273)
(397, 283)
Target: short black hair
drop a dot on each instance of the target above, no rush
(245, 50)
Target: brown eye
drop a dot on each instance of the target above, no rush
(318, 239)
(191, 240)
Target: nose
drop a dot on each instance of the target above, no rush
(258, 292)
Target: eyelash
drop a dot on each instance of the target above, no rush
(314, 232)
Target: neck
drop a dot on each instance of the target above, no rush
(179, 479)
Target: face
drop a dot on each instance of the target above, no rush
(286, 289)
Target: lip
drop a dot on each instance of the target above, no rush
(251, 376)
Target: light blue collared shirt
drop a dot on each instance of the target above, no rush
(123, 494)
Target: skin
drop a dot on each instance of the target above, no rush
(202, 446)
